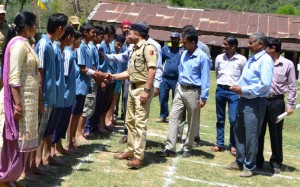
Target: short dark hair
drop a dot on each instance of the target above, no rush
(191, 37)
(189, 29)
(86, 27)
(69, 31)
(276, 43)
(232, 40)
(55, 21)
(110, 30)
(120, 38)
(99, 30)
(77, 34)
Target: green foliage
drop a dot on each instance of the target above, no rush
(287, 9)
(290, 7)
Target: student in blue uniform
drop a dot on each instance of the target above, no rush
(66, 43)
(47, 73)
(83, 82)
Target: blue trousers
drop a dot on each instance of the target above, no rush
(250, 117)
(224, 96)
(166, 85)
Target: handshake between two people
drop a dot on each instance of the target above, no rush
(104, 77)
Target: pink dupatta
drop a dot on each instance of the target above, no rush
(11, 127)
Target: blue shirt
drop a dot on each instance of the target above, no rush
(44, 49)
(94, 50)
(256, 78)
(85, 58)
(105, 50)
(120, 67)
(194, 70)
(60, 80)
(171, 59)
(70, 77)
(112, 67)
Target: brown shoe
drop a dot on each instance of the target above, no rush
(123, 156)
(123, 140)
(135, 163)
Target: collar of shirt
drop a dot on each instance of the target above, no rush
(85, 45)
(279, 61)
(233, 57)
(47, 39)
(195, 53)
(170, 45)
(139, 44)
(257, 56)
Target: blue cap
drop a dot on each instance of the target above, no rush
(174, 35)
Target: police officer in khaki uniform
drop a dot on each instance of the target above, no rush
(3, 32)
(141, 72)
(74, 21)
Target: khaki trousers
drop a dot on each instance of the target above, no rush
(136, 121)
(185, 100)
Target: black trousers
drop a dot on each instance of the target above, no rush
(274, 109)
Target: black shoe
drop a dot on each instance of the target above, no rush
(196, 141)
(166, 153)
(186, 154)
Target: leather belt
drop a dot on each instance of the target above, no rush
(137, 85)
(225, 87)
(274, 97)
(189, 87)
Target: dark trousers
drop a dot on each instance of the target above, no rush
(274, 109)
(247, 129)
(166, 85)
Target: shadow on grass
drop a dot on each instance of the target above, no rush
(58, 173)
(267, 170)
(154, 144)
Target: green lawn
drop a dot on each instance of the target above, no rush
(96, 166)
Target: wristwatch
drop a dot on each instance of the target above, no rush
(147, 90)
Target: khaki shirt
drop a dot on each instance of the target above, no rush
(139, 66)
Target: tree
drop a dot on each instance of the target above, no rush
(287, 9)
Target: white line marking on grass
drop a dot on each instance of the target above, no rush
(89, 156)
(204, 163)
(258, 172)
(205, 182)
(170, 172)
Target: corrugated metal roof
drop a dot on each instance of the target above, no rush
(212, 24)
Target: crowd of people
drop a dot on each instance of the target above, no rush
(68, 85)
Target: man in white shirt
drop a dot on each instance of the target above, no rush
(229, 67)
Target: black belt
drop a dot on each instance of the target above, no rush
(225, 87)
(274, 97)
(189, 87)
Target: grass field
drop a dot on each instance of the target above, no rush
(96, 166)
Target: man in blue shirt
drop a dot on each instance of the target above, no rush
(192, 93)
(253, 86)
(171, 58)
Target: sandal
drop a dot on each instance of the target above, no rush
(216, 149)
